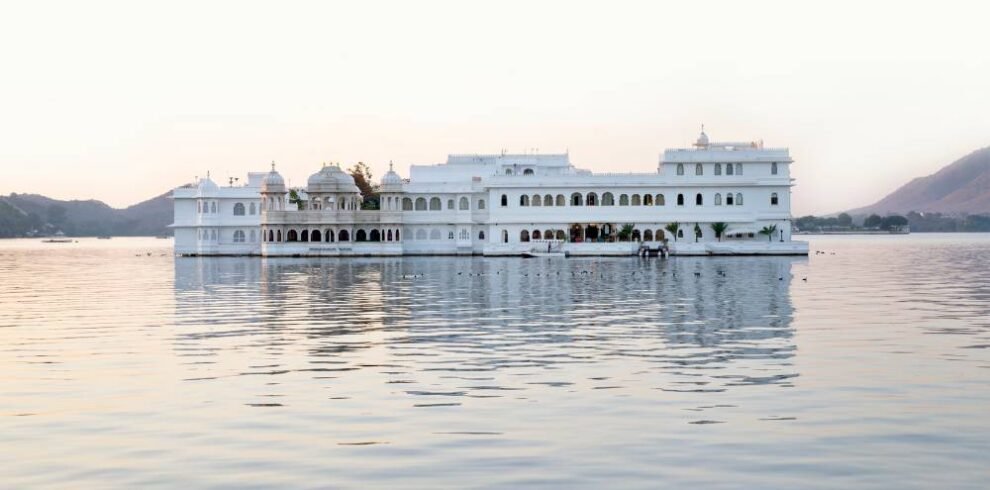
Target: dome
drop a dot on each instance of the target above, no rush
(391, 178)
(207, 185)
(331, 179)
(702, 139)
(273, 182)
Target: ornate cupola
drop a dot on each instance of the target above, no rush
(273, 191)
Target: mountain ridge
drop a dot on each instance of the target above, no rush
(37, 215)
(959, 188)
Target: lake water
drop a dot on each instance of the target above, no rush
(867, 366)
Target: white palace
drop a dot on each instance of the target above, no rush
(506, 204)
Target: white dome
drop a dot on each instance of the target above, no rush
(273, 182)
(331, 179)
(390, 177)
(207, 185)
(702, 139)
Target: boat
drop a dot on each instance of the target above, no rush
(59, 237)
(546, 255)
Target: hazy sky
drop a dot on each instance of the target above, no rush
(123, 101)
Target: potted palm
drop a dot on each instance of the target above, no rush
(673, 229)
(719, 228)
(769, 231)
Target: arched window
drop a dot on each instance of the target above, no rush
(239, 235)
(375, 236)
(361, 236)
(421, 234)
(658, 201)
(524, 200)
(279, 235)
(548, 235)
(505, 236)
(253, 209)
(648, 236)
(738, 169)
(505, 200)
(434, 234)
(658, 235)
(623, 200)
(315, 236)
(213, 207)
(536, 234)
(450, 235)
(576, 199)
(292, 236)
(738, 199)
(591, 199)
(536, 200)
(718, 169)
(718, 199)
(271, 235)
(548, 200)
(434, 204)
(420, 204)
(463, 235)
(680, 169)
(508, 171)
(524, 236)
(481, 204)
(773, 168)
(699, 169)
(560, 200)
(388, 235)
(647, 200)
(481, 235)
(729, 201)
(680, 199)
(239, 209)
(773, 199)
(680, 233)
(407, 204)
(561, 235)
(304, 237)
(728, 169)
(636, 200)
(397, 235)
(464, 204)
(698, 200)
(636, 236)
(343, 236)
(608, 199)
(450, 204)
(528, 171)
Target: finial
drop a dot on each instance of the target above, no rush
(273, 165)
(207, 174)
(702, 127)
(390, 165)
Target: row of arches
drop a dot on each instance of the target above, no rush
(436, 204)
(239, 209)
(206, 207)
(730, 169)
(331, 236)
(238, 236)
(343, 202)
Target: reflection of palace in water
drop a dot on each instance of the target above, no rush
(498, 312)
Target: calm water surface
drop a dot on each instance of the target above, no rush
(121, 365)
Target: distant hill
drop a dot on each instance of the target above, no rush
(962, 187)
(33, 214)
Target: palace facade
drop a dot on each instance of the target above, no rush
(506, 204)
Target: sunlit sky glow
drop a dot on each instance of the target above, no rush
(123, 101)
